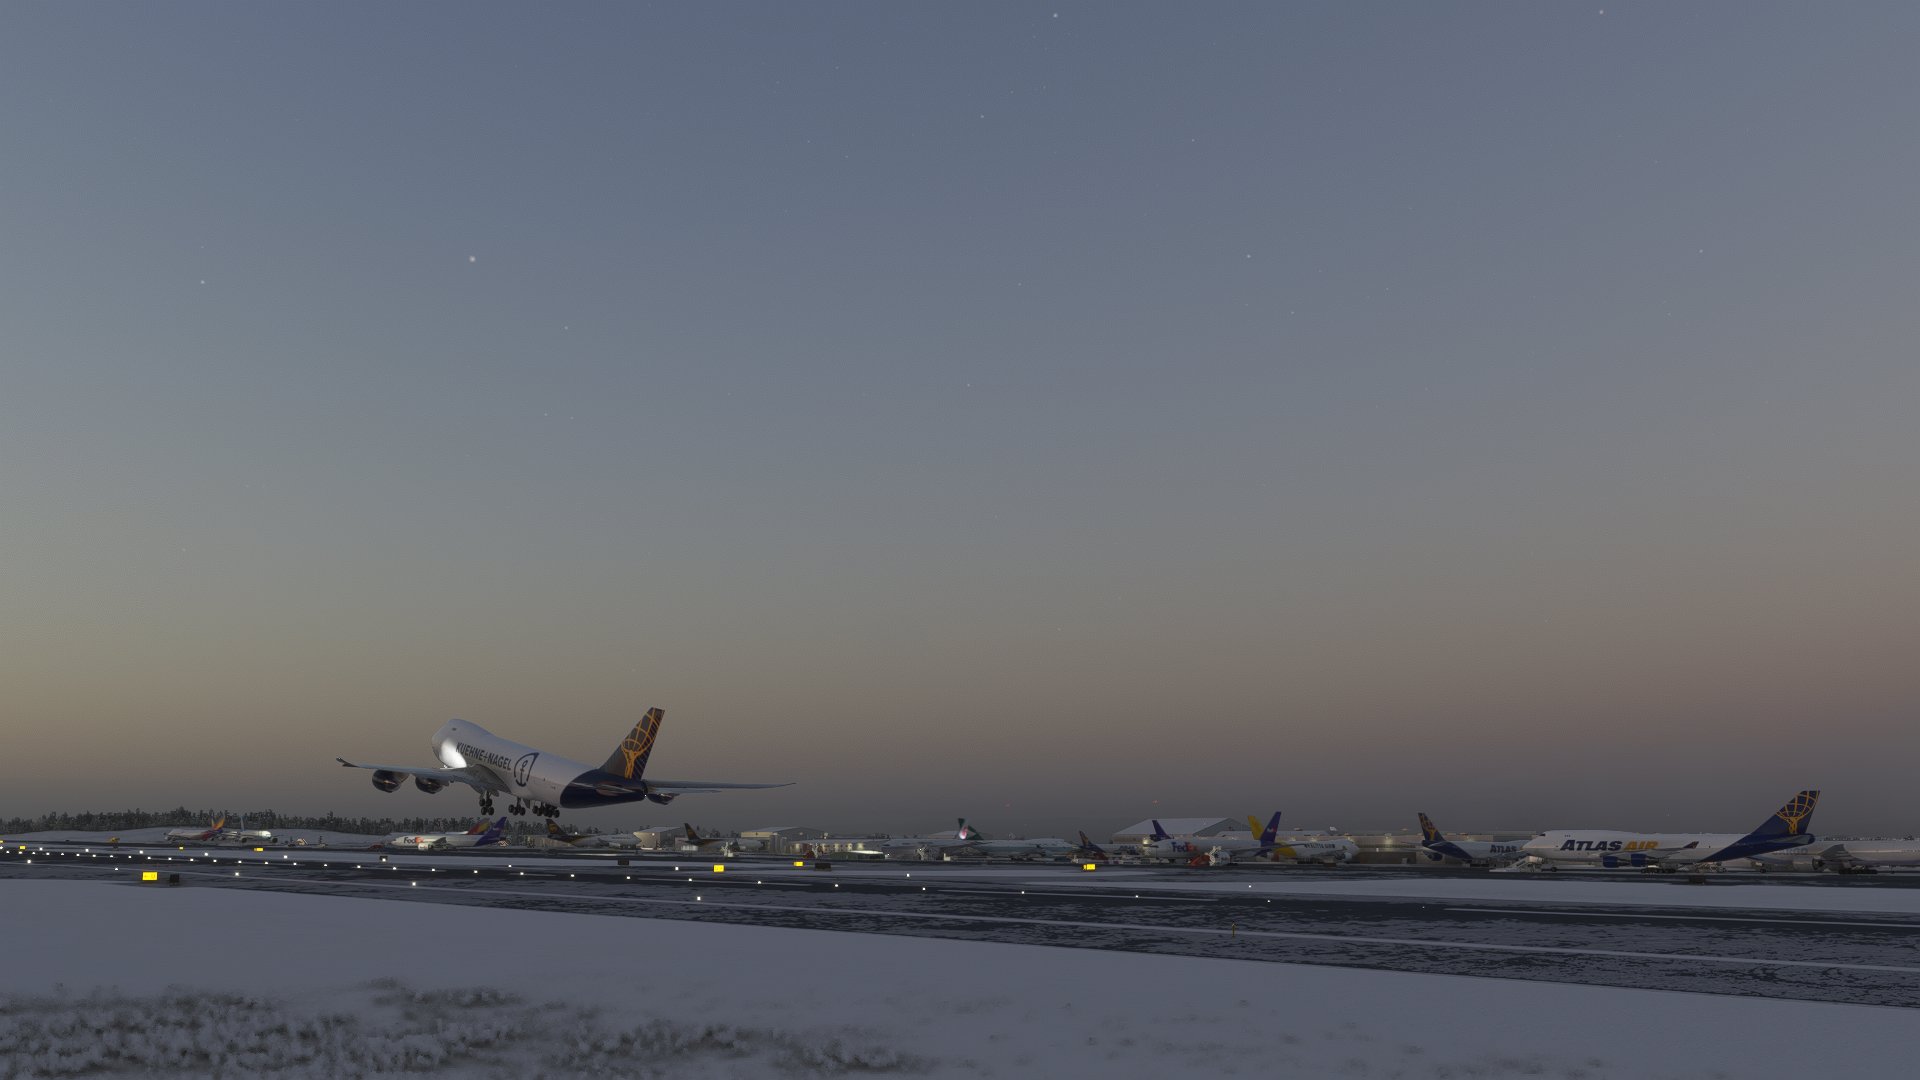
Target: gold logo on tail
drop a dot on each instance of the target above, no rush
(634, 748)
(1798, 811)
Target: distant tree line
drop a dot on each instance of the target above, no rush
(122, 820)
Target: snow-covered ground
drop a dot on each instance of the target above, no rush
(103, 978)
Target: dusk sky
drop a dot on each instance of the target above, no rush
(1050, 414)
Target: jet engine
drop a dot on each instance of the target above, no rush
(387, 781)
(428, 784)
(661, 797)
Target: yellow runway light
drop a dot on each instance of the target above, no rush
(719, 869)
(149, 875)
(796, 862)
(1090, 867)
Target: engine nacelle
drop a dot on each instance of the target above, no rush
(387, 781)
(428, 784)
(662, 797)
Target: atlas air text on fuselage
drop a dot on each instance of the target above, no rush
(1609, 845)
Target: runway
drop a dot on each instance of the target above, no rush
(1827, 955)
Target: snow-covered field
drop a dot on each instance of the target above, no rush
(104, 979)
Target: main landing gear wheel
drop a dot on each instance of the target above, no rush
(486, 805)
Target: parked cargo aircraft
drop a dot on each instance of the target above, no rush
(1087, 849)
(1337, 850)
(546, 783)
(218, 835)
(198, 836)
(480, 835)
(1786, 828)
(1437, 849)
(930, 847)
(695, 842)
(590, 840)
(1844, 856)
(1217, 850)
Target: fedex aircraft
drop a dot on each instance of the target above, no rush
(1214, 850)
(1787, 828)
(1436, 849)
(479, 836)
(470, 754)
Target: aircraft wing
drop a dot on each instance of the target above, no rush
(691, 787)
(1836, 856)
(1690, 852)
(478, 777)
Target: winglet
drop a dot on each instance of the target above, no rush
(629, 760)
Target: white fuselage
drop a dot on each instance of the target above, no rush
(1046, 847)
(525, 773)
(1194, 847)
(1611, 850)
(1477, 852)
(1323, 851)
(436, 841)
(922, 847)
(1821, 856)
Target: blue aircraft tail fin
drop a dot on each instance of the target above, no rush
(1792, 819)
(629, 760)
(1272, 830)
(1428, 832)
(1158, 832)
(1089, 845)
(495, 833)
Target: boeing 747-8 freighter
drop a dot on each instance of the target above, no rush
(470, 754)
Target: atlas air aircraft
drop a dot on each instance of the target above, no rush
(470, 754)
(1787, 828)
(480, 835)
(1437, 850)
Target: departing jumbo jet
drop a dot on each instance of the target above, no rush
(1786, 828)
(545, 783)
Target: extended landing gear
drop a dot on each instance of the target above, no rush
(486, 805)
(547, 810)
